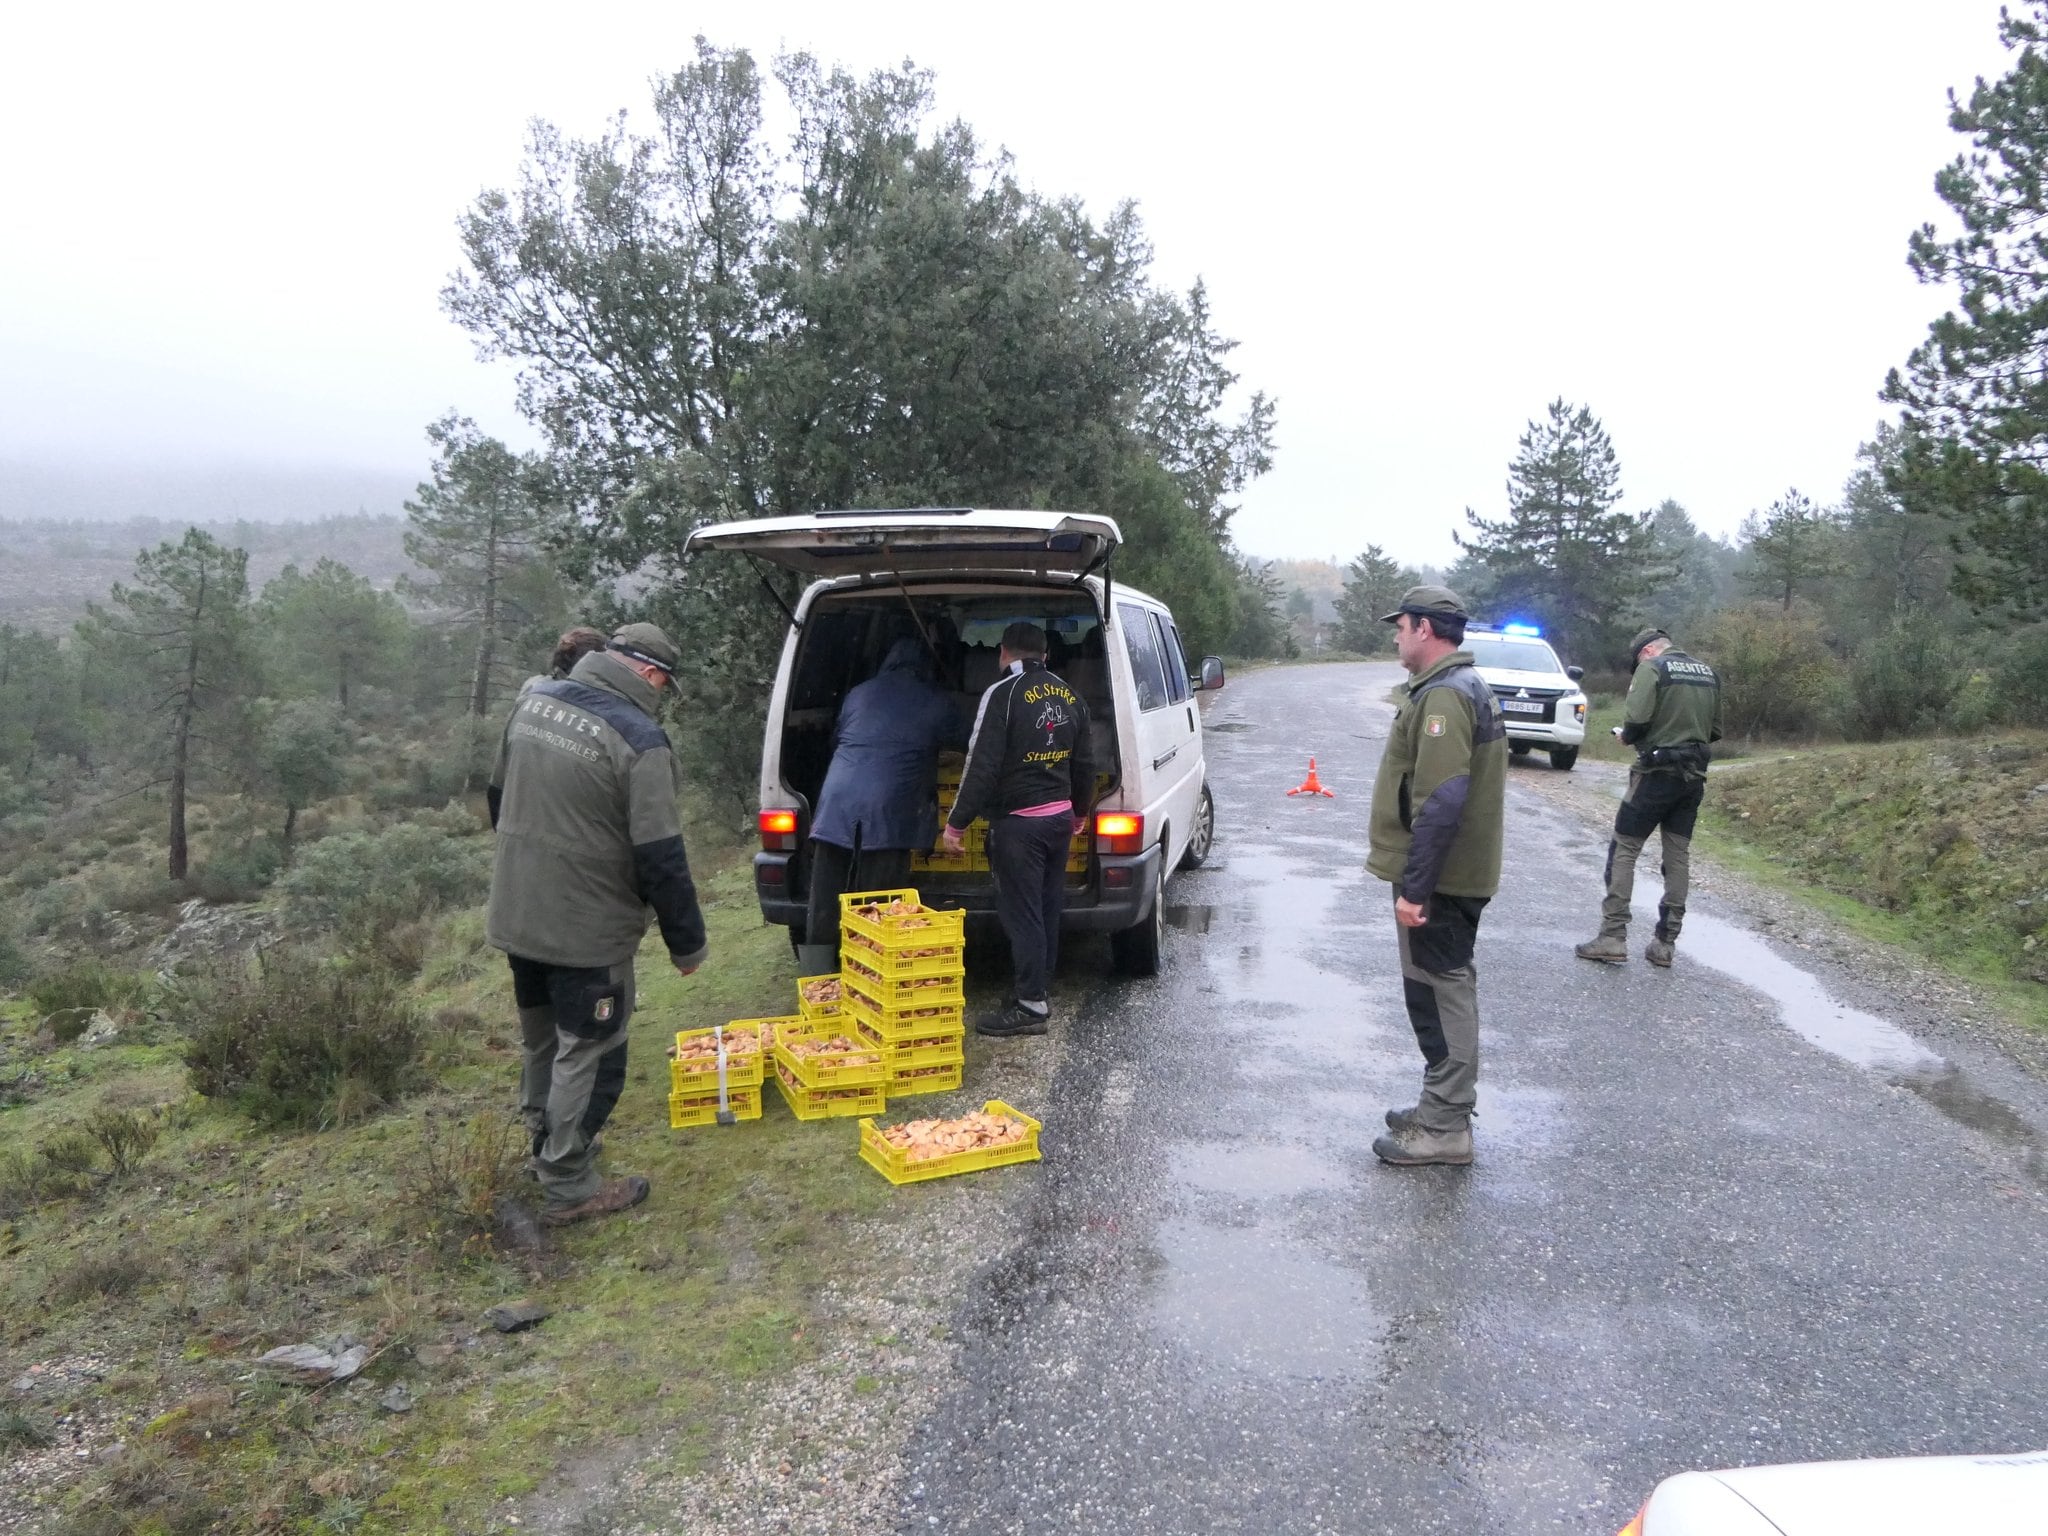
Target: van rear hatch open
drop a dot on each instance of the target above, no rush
(926, 540)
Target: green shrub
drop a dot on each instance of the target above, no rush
(2020, 677)
(125, 1135)
(239, 874)
(359, 884)
(1902, 682)
(295, 1043)
(88, 985)
(15, 965)
(1777, 675)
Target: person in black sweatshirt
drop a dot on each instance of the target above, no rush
(1028, 773)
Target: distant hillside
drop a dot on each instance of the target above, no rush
(50, 570)
(203, 494)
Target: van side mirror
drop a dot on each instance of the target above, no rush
(1575, 673)
(1212, 674)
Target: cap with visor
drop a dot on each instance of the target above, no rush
(647, 644)
(1429, 602)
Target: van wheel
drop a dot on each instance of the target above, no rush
(1519, 748)
(1135, 950)
(1203, 835)
(1563, 757)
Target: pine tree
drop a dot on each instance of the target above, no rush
(1564, 555)
(1373, 584)
(1791, 550)
(181, 631)
(1975, 393)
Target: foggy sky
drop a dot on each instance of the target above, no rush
(227, 226)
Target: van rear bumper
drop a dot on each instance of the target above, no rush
(1118, 894)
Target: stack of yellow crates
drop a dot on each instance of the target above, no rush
(902, 970)
(693, 1073)
(824, 1070)
(973, 854)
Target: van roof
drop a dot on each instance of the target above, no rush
(895, 541)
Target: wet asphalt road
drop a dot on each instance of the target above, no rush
(1703, 1229)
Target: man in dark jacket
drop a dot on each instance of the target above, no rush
(879, 803)
(583, 800)
(1028, 772)
(1672, 715)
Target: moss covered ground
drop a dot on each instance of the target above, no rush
(1940, 845)
(167, 1281)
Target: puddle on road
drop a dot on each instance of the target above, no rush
(1862, 1038)
(1228, 725)
(1803, 1003)
(1191, 919)
(1251, 1299)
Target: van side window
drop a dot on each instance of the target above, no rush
(1176, 663)
(1142, 641)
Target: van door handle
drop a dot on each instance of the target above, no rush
(1159, 761)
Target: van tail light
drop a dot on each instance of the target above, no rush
(1119, 832)
(778, 831)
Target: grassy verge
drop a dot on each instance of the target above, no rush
(142, 1297)
(1940, 846)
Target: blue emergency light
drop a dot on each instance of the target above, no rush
(1521, 629)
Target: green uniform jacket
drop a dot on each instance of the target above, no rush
(584, 801)
(1437, 807)
(1674, 702)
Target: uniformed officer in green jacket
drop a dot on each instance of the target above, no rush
(1436, 836)
(1673, 712)
(583, 798)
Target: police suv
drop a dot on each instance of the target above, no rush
(1540, 699)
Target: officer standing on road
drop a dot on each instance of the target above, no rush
(1673, 712)
(1027, 770)
(1436, 835)
(584, 803)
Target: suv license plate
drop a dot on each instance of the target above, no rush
(1521, 706)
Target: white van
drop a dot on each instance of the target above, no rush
(957, 577)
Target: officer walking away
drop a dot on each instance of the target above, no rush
(880, 797)
(1673, 712)
(583, 800)
(1436, 836)
(574, 644)
(1028, 772)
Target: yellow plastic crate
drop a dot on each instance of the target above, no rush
(835, 1069)
(906, 1022)
(947, 986)
(894, 1166)
(946, 863)
(829, 1103)
(941, 1048)
(907, 1082)
(742, 1060)
(925, 929)
(688, 1109)
(810, 1010)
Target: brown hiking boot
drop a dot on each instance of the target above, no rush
(613, 1196)
(1659, 952)
(1415, 1147)
(1608, 949)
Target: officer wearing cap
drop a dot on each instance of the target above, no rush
(1673, 712)
(1436, 837)
(583, 800)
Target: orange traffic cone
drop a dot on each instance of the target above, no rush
(1311, 785)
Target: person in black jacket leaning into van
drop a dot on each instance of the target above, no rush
(1028, 773)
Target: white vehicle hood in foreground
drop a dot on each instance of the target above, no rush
(1906, 1496)
(1503, 677)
